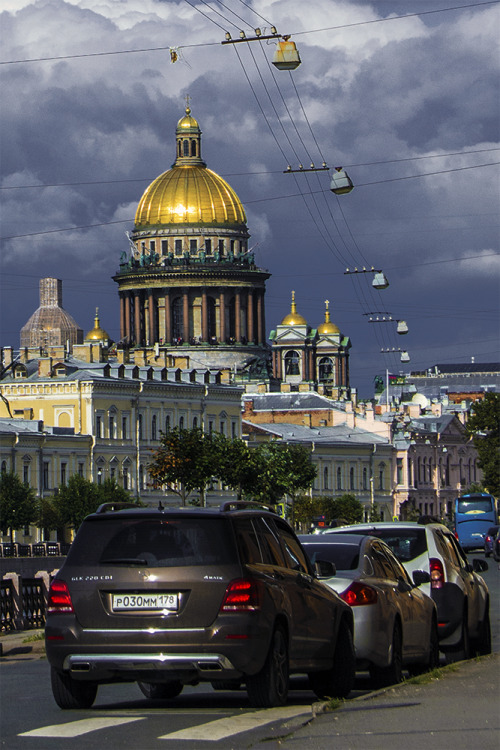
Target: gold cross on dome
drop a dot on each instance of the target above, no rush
(188, 99)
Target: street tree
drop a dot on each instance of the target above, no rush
(75, 500)
(17, 503)
(185, 461)
(347, 508)
(484, 427)
(280, 469)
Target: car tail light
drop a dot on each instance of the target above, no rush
(488, 538)
(59, 599)
(242, 595)
(437, 573)
(358, 594)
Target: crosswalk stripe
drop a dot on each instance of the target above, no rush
(82, 726)
(222, 728)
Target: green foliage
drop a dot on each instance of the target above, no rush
(345, 509)
(76, 500)
(47, 514)
(111, 492)
(348, 508)
(185, 461)
(277, 469)
(484, 427)
(374, 514)
(17, 503)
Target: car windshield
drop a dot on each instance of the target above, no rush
(407, 544)
(477, 505)
(345, 556)
(153, 542)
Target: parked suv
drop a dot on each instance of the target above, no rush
(461, 595)
(170, 597)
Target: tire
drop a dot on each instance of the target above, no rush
(393, 673)
(483, 643)
(337, 682)
(69, 693)
(269, 687)
(462, 650)
(161, 690)
(433, 656)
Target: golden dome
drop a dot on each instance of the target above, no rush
(328, 327)
(293, 318)
(189, 192)
(97, 333)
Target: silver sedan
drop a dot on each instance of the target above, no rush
(395, 624)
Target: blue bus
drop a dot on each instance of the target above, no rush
(474, 514)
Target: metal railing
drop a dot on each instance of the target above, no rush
(40, 549)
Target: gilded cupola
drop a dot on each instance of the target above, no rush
(293, 318)
(189, 192)
(327, 327)
(97, 333)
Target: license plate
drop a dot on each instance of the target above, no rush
(145, 602)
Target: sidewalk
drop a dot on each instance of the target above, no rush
(461, 710)
(17, 644)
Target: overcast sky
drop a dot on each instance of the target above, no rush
(409, 106)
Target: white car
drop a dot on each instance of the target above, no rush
(395, 623)
(461, 595)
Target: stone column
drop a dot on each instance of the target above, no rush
(168, 319)
(237, 316)
(250, 316)
(204, 316)
(222, 317)
(151, 305)
(137, 321)
(185, 315)
(312, 369)
(128, 316)
(260, 326)
(122, 316)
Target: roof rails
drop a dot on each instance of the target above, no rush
(245, 505)
(107, 507)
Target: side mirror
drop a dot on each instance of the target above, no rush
(478, 565)
(403, 585)
(420, 577)
(324, 569)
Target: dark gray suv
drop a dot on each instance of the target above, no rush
(173, 597)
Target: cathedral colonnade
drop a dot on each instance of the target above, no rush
(193, 314)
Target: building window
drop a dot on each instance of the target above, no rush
(222, 427)
(98, 426)
(139, 426)
(164, 247)
(111, 423)
(152, 246)
(4, 467)
(325, 478)
(26, 473)
(178, 247)
(193, 247)
(399, 471)
(208, 247)
(221, 247)
(234, 430)
(325, 369)
(381, 470)
(210, 427)
(185, 148)
(351, 478)
(181, 423)
(125, 478)
(124, 428)
(153, 428)
(112, 472)
(167, 424)
(99, 475)
(365, 478)
(195, 423)
(45, 475)
(339, 478)
(292, 363)
(63, 474)
(80, 469)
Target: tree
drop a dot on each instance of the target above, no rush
(47, 514)
(185, 461)
(278, 469)
(484, 427)
(235, 467)
(17, 503)
(348, 508)
(75, 500)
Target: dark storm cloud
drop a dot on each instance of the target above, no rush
(375, 92)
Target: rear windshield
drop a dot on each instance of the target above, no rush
(153, 542)
(476, 505)
(405, 543)
(345, 556)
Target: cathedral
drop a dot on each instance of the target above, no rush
(192, 297)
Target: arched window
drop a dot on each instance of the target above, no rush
(167, 424)
(339, 478)
(351, 478)
(185, 148)
(181, 423)
(153, 428)
(292, 363)
(325, 369)
(325, 478)
(193, 147)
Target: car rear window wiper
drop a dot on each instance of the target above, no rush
(124, 561)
